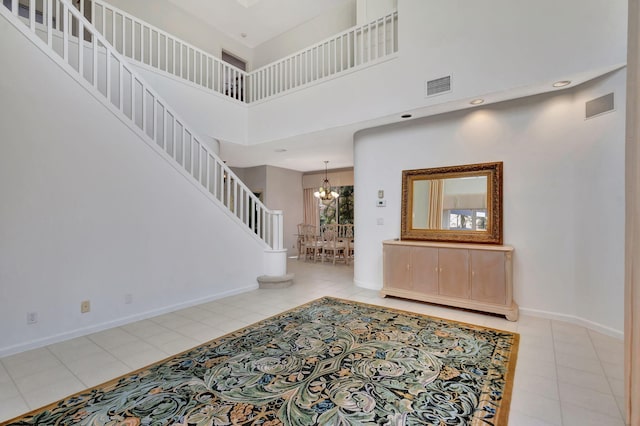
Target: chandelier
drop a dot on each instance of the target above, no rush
(325, 192)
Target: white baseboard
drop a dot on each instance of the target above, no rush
(574, 320)
(57, 338)
(542, 314)
(368, 286)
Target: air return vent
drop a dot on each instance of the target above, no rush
(599, 106)
(438, 86)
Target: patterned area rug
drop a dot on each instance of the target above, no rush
(329, 362)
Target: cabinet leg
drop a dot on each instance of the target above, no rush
(513, 315)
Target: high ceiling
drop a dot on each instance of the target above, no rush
(258, 20)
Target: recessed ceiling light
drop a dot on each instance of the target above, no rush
(280, 150)
(406, 116)
(561, 83)
(477, 101)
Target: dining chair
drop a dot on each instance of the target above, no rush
(312, 244)
(334, 248)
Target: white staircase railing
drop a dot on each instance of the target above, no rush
(87, 55)
(348, 50)
(142, 42)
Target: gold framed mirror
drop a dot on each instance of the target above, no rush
(454, 204)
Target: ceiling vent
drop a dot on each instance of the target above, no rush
(439, 86)
(599, 106)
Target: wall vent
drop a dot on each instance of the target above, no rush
(599, 106)
(438, 86)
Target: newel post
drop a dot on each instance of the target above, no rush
(278, 229)
(275, 258)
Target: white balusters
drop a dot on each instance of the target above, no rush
(349, 49)
(32, 15)
(113, 30)
(80, 48)
(354, 47)
(49, 23)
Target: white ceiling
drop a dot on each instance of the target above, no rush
(303, 153)
(259, 20)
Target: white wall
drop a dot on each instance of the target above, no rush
(368, 10)
(207, 113)
(310, 32)
(281, 190)
(89, 211)
(341, 177)
(254, 177)
(284, 192)
(563, 193)
(499, 44)
(174, 20)
(498, 48)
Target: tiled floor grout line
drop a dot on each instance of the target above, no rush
(15, 384)
(555, 363)
(104, 348)
(610, 393)
(66, 366)
(556, 379)
(622, 414)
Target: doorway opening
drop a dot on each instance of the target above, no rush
(234, 60)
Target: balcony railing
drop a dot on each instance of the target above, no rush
(149, 45)
(146, 44)
(343, 52)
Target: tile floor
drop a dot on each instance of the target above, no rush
(565, 375)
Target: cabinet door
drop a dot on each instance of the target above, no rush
(424, 269)
(488, 282)
(453, 267)
(396, 267)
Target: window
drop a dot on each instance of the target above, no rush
(467, 219)
(339, 210)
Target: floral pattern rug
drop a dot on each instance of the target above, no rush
(329, 362)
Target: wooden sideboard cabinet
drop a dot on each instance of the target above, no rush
(471, 276)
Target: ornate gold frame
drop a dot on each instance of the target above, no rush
(493, 235)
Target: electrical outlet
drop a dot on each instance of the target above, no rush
(85, 306)
(32, 317)
(128, 298)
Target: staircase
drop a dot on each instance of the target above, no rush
(62, 32)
